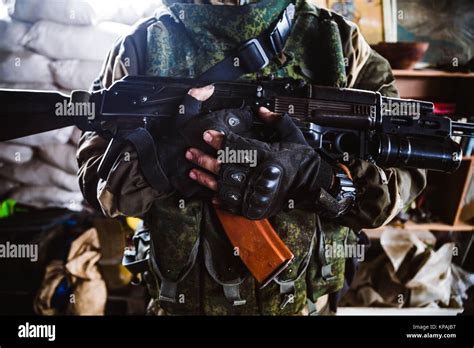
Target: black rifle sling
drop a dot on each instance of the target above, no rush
(144, 144)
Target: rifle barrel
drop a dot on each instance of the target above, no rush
(463, 129)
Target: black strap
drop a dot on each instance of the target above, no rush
(254, 54)
(326, 268)
(148, 161)
(144, 143)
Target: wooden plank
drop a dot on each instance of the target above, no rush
(397, 311)
(431, 73)
(447, 192)
(459, 227)
(438, 86)
(412, 227)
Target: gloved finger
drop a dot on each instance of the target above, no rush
(192, 102)
(204, 179)
(214, 138)
(284, 126)
(203, 160)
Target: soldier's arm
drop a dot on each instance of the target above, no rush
(124, 192)
(383, 192)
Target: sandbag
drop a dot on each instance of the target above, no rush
(75, 137)
(62, 156)
(75, 12)
(57, 136)
(124, 11)
(47, 197)
(15, 153)
(4, 11)
(29, 85)
(39, 173)
(7, 185)
(25, 67)
(75, 74)
(11, 34)
(59, 41)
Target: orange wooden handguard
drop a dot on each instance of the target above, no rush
(259, 246)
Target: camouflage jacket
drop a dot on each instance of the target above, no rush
(195, 269)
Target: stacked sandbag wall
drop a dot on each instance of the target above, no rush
(55, 45)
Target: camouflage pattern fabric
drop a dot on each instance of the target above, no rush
(206, 35)
(202, 44)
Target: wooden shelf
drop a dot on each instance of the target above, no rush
(414, 227)
(397, 311)
(431, 73)
(435, 226)
(437, 85)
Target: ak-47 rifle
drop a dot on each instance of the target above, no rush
(339, 123)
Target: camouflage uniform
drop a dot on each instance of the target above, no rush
(194, 262)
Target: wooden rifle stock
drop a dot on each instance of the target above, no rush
(258, 245)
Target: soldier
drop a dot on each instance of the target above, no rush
(193, 268)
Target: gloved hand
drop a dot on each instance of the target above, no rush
(161, 151)
(286, 170)
(187, 132)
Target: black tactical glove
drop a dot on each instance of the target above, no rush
(286, 170)
(171, 148)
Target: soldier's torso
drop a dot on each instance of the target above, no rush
(196, 269)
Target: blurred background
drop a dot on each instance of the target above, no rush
(61, 45)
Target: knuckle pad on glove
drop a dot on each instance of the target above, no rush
(264, 190)
(233, 175)
(232, 181)
(230, 120)
(239, 120)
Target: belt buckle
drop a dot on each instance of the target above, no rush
(257, 52)
(281, 29)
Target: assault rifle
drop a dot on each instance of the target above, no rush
(339, 123)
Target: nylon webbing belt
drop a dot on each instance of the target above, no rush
(255, 54)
